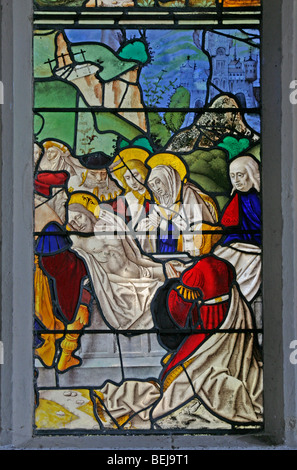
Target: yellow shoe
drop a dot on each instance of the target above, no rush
(46, 352)
(67, 360)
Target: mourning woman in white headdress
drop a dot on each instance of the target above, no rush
(242, 218)
(179, 204)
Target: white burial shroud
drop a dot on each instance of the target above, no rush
(225, 373)
(124, 302)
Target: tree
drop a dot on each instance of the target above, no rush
(180, 99)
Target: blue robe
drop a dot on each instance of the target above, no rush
(249, 216)
(166, 241)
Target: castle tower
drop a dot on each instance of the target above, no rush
(194, 80)
(186, 74)
(250, 66)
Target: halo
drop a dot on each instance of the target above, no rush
(52, 143)
(131, 153)
(126, 155)
(86, 200)
(168, 159)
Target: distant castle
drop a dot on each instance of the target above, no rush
(230, 74)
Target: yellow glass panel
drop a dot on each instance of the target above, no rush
(241, 3)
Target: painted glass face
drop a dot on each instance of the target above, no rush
(158, 187)
(52, 153)
(80, 221)
(134, 180)
(148, 241)
(97, 176)
(240, 178)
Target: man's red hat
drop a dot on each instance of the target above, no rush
(45, 180)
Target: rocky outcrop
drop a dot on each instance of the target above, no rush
(121, 92)
(211, 126)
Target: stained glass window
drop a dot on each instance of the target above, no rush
(147, 194)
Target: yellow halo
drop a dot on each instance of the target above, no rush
(168, 159)
(52, 143)
(87, 200)
(129, 155)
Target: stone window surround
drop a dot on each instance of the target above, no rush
(279, 150)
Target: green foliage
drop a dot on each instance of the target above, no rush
(158, 131)
(162, 128)
(135, 50)
(180, 99)
(110, 65)
(146, 3)
(155, 90)
(255, 151)
(209, 168)
(141, 142)
(234, 146)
